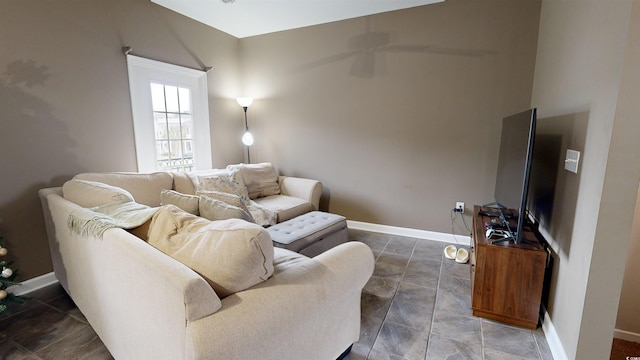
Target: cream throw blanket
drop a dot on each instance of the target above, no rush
(95, 221)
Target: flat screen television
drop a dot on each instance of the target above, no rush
(514, 170)
(544, 174)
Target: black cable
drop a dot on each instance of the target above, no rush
(453, 220)
(465, 224)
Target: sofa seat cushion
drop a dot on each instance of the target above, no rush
(284, 259)
(145, 188)
(231, 255)
(287, 207)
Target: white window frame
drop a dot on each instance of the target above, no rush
(142, 72)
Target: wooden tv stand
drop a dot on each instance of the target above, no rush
(506, 278)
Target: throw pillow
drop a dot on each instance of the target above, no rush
(194, 175)
(262, 215)
(231, 255)
(90, 194)
(230, 199)
(214, 209)
(188, 203)
(261, 179)
(145, 188)
(231, 183)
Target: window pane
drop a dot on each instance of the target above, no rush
(157, 97)
(171, 94)
(162, 150)
(174, 126)
(160, 124)
(187, 150)
(176, 149)
(185, 100)
(187, 126)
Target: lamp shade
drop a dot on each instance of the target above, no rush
(247, 139)
(244, 101)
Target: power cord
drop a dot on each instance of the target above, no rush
(454, 223)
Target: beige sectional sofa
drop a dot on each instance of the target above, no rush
(250, 301)
(293, 195)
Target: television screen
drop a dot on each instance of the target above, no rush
(544, 173)
(514, 166)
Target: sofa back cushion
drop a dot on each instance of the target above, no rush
(186, 202)
(231, 255)
(218, 207)
(89, 194)
(145, 188)
(182, 183)
(261, 179)
(226, 181)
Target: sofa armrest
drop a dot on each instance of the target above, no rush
(123, 286)
(353, 261)
(312, 306)
(307, 189)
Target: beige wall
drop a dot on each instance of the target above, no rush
(581, 75)
(64, 99)
(398, 145)
(628, 320)
(627, 113)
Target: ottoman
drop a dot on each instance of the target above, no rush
(310, 234)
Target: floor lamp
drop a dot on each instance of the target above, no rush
(247, 138)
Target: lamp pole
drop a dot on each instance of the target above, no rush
(247, 138)
(246, 129)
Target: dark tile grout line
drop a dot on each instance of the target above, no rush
(435, 302)
(390, 303)
(535, 338)
(37, 302)
(482, 337)
(395, 293)
(437, 293)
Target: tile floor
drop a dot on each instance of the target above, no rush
(416, 306)
(49, 326)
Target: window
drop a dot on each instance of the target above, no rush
(170, 116)
(173, 121)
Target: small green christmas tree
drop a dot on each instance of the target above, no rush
(7, 279)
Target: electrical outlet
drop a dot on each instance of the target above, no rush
(460, 206)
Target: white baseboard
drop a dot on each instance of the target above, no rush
(555, 345)
(34, 284)
(626, 335)
(420, 234)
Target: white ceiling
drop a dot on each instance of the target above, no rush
(244, 18)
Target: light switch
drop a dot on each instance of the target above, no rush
(571, 161)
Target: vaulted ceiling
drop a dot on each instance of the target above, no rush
(244, 18)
